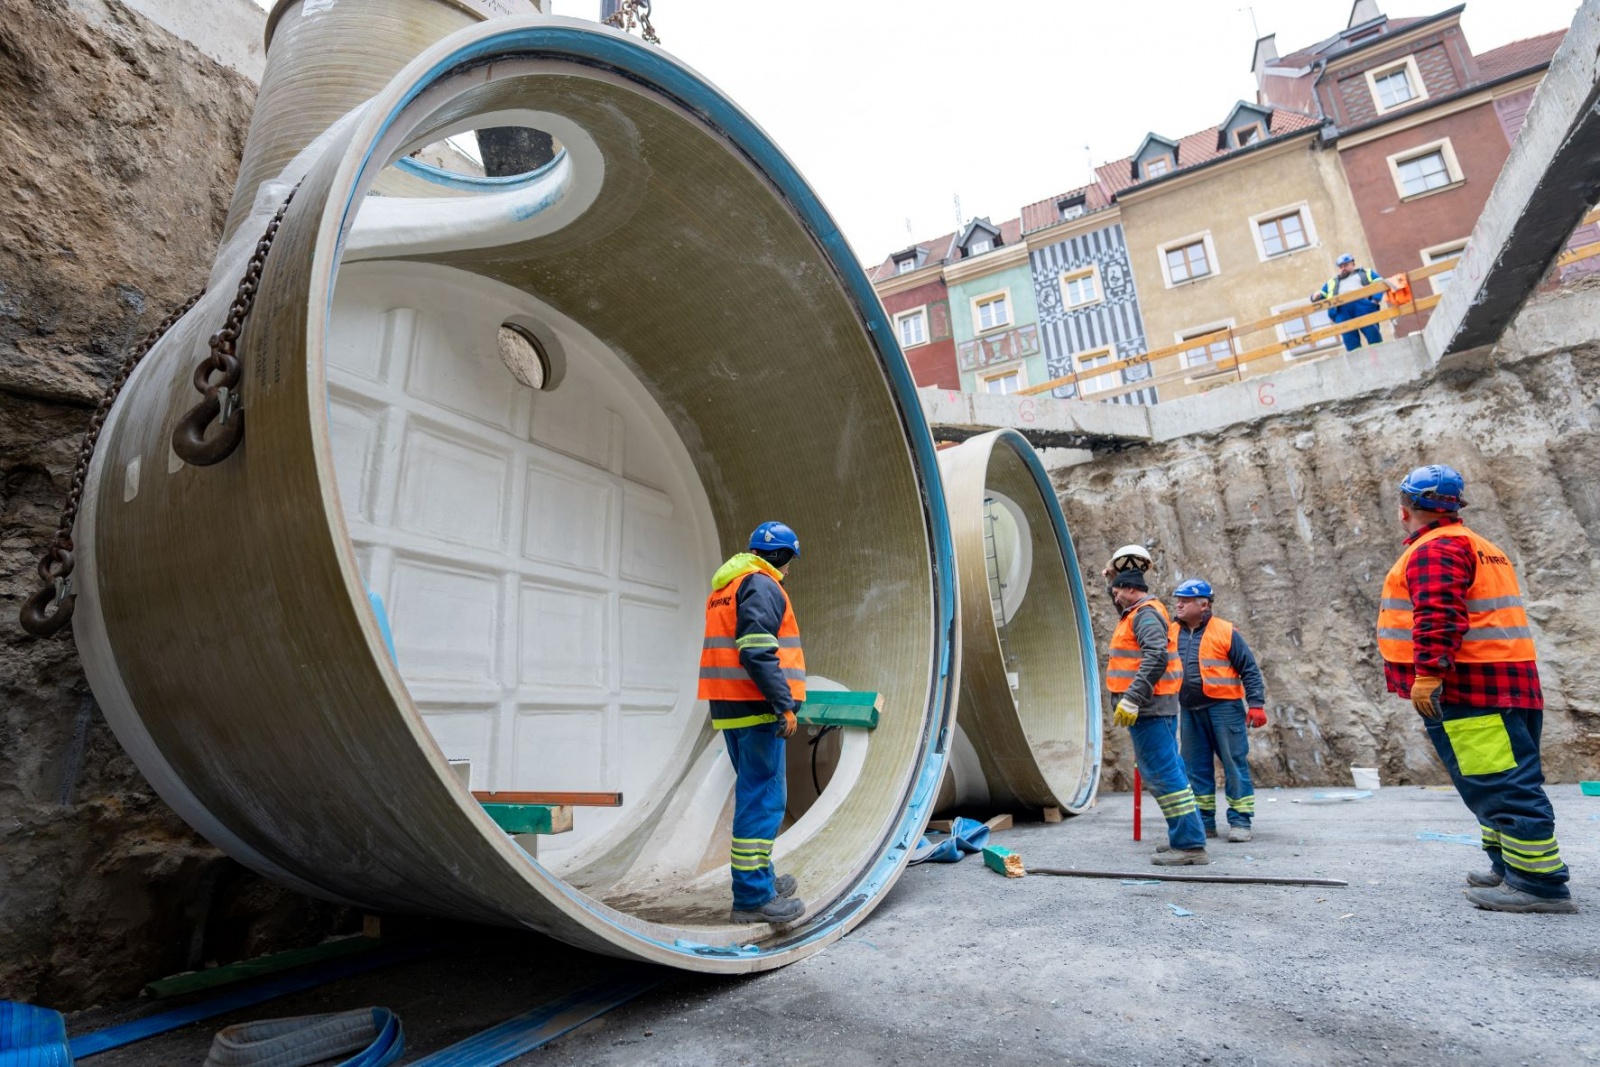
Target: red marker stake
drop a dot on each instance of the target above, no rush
(1138, 797)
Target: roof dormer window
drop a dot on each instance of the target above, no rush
(979, 246)
(1154, 168)
(1071, 207)
(905, 266)
(1246, 135)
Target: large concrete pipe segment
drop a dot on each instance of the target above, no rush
(530, 420)
(1030, 690)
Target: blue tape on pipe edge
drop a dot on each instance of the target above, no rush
(449, 179)
(663, 75)
(31, 1036)
(127, 1033)
(544, 1024)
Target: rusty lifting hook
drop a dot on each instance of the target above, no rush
(216, 379)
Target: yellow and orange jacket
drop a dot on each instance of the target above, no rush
(752, 664)
(1125, 661)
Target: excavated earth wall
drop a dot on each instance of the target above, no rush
(118, 149)
(1292, 520)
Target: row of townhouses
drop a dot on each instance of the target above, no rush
(1382, 142)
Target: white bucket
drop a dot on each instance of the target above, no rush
(1365, 777)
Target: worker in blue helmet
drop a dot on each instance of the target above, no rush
(753, 674)
(1456, 642)
(1348, 279)
(1222, 698)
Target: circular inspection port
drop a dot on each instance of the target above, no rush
(524, 356)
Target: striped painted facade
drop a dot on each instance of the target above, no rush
(1111, 322)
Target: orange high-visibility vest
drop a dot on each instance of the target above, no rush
(1217, 677)
(1497, 624)
(1125, 654)
(722, 676)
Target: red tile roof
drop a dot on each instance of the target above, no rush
(1517, 56)
(937, 248)
(1333, 45)
(1201, 147)
(1047, 212)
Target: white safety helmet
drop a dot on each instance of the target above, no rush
(1131, 557)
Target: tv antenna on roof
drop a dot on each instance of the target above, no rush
(959, 221)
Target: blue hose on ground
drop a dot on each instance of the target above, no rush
(966, 836)
(32, 1037)
(373, 1034)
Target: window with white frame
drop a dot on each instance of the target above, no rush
(1188, 259)
(1314, 319)
(1087, 361)
(1070, 209)
(1081, 287)
(913, 328)
(1215, 345)
(979, 246)
(1282, 233)
(905, 266)
(1004, 382)
(1425, 168)
(1439, 253)
(1396, 84)
(992, 312)
(1154, 168)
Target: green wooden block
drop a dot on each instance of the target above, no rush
(1002, 860)
(841, 708)
(531, 818)
(245, 970)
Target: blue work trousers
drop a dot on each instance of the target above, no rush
(1493, 759)
(1155, 747)
(759, 796)
(1212, 733)
(1355, 310)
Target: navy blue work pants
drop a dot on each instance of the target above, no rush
(759, 796)
(1213, 733)
(1155, 747)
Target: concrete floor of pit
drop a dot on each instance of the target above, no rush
(962, 966)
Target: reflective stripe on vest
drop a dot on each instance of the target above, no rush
(1217, 677)
(1122, 664)
(1497, 623)
(722, 676)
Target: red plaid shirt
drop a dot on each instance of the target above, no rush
(1438, 576)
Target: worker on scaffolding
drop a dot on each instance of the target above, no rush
(1223, 696)
(753, 673)
(1144, 672)
(1348, 280)
(1455, 640)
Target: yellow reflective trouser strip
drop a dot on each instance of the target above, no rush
(1177, 804)
(1491, 836)
(1206, 801)
(1243, 805)
(1535, 857)
(750, 853)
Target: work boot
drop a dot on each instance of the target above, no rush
(1485, 879)
(1507, 898)
(1211, 831)
(1180, 857)
(784, 885)
(1238, 834)
(778, 911)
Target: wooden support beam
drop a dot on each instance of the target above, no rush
(841, 708)
(559, 799)
(531, 818)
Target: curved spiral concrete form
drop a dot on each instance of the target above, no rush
(1030, 691)
(532, 420)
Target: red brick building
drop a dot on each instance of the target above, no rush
(912, 287)
(1422, 125)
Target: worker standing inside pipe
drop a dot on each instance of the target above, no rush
(1144, 671)
(1455, 640)
(753, 673)
(1222, 698)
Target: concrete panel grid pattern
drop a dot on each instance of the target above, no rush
(1111, 322)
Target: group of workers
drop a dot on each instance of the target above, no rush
(1452, 630)
(1454, 636)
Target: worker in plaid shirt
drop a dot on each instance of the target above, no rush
(1455, 640)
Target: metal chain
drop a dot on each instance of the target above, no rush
(634, 13)
(221, 393)
(55, 566)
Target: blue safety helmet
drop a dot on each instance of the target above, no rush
(1193, 589)
(772, 536)
(1346, 258)
(1434, 488)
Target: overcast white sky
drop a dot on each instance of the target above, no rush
(891, 109)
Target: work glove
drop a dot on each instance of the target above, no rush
(1256, 717)
(1126, 713)
(1425, 694)
(787, 724)
(1317, 298)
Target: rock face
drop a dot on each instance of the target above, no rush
(1292, 520)
(120, 145)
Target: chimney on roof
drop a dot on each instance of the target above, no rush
(1363, 11)
(1266, 52)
